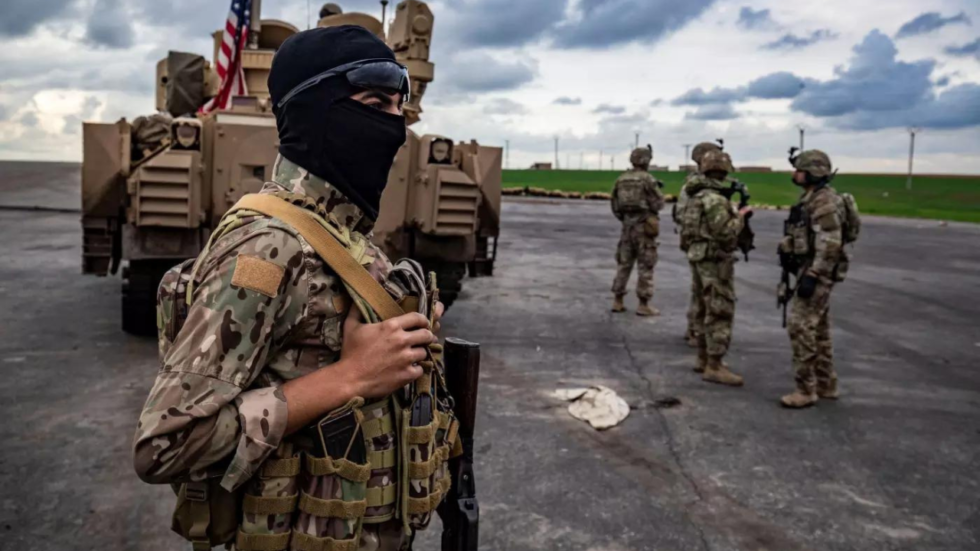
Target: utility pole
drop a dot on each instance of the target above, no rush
(581, 160)
(637, 143)
(802, 132)
(612, 162)
(912, 132)
(556, 152)
(600, 159)
(506, 153)
(568, 161)
(687, 153)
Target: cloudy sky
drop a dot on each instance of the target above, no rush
(855, 73)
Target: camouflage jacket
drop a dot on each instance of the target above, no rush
(710, 223)
(823, 212)
(215, 409)
(636, 196)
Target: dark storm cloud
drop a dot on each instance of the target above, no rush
(929, 22)
(479, 72)
(873, 91)
(874, 81)
(957, 107)
(109, 25)
(503, 22)
(792, 42)
(971, 49)
(605, 23)
(565, 100)
(610, 109)
(780, 85)
(698, 96)
(718, 112)
(21, 17)
(753, 20)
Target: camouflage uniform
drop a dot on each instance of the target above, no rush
(820, 235)
(709, 234)
(695, 311)
(216, 409)
(636, 202)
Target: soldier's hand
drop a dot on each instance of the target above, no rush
(744, 211)
(382, 357)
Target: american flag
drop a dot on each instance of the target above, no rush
(230, 57)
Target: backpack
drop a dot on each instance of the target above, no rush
(850, 218)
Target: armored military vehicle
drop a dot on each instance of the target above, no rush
(152, 189)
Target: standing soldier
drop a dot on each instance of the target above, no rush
(694, 314)
(813, 250)
(710, 232)
(275, 338)
(636, 202)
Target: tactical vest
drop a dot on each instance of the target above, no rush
(799, 237)
(405, 475)
(630, 194)
(696, 238)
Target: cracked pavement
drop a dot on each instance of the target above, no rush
(890, 466)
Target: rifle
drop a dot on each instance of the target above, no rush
(460, 511)
(746, 237)
(789, 263)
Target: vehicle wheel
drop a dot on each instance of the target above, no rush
(139, 295)
(450, 278)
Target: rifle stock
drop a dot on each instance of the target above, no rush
(460, 512)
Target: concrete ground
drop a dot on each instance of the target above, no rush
(893, 465)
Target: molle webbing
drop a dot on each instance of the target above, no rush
(322, 466)
(337, 508)
(255, 505)
(306, 542)
(263, 542)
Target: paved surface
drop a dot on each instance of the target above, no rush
(893, 465)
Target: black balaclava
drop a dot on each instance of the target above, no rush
(348, 144)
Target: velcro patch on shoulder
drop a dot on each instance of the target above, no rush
(256, 274)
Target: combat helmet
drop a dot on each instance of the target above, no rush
(329, 9)
(641, 156)
(701, 149)
(814, 162)
(716, 160)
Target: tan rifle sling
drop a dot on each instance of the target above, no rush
(329, 249)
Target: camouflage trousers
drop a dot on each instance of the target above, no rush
(714, 288)
(809, 335)
(635, 246)
(695, 309)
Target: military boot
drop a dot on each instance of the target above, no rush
(645, 310)
(618, 305)
(799, 399)
(702, 361)
(692, 339)
(828, 389)
(716, 371)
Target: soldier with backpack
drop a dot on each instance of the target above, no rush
(812, 249)
(636, 201)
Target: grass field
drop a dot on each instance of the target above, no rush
(933, 197)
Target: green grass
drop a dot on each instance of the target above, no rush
(933, 197)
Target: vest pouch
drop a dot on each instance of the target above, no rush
(206, 514)
(334, 501)
(801, 240)
(697, 252)
(652, 227)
